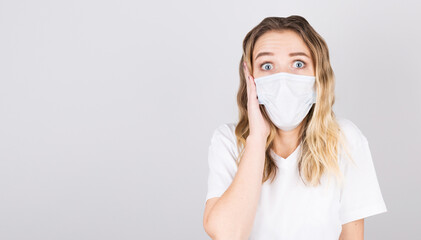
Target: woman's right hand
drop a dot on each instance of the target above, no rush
(259, 127)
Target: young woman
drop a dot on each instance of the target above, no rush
(289, 169)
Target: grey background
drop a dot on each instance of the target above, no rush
(107, 109)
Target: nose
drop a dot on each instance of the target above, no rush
(284, 69)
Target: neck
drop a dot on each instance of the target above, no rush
(286, 142)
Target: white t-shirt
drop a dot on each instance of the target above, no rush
(287, 209)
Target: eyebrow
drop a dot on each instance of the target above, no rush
(291, 54)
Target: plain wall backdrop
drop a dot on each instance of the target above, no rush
(107, 109)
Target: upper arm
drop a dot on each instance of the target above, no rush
(222, 165)
(208, 207)
(353, 230)
(222, 154)
(360, 196)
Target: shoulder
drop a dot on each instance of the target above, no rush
(224, 136)
(351, 132)
(225, 130)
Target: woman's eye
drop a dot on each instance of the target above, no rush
(299, 64)
(266, 66)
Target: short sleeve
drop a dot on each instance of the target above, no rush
(222, 165)
(361, 196)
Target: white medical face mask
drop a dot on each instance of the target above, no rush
(287, 97)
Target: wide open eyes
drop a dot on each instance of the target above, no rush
(298, 64)
(267, 66)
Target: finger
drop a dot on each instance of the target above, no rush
(252, 87)
(246, 69)
(246, 74)
(250, 79)
(247, 79)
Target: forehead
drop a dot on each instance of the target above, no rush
(280, 42)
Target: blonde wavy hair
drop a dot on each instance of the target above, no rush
(320, 133)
